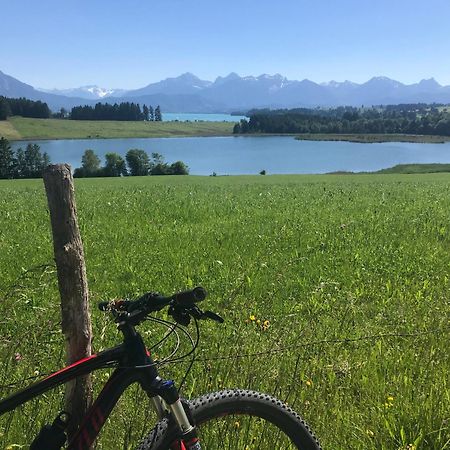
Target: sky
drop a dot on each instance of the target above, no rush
(131, 43)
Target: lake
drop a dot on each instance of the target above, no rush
(249, 155)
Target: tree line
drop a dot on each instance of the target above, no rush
(122, 111)
(392, 119)
(136, 163)
(28, 163)
(23, 107)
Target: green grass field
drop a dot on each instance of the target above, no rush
(23, 128)
(352, 274)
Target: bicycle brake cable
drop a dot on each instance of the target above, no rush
(193, 356)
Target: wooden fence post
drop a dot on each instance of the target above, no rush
(72, 281)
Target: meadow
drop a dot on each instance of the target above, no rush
(335, 292)
(16, 128)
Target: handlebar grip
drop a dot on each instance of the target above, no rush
(103, 306)
(188, 297)
(113, 304)
(154, 302)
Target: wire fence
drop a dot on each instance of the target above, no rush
(45, 269)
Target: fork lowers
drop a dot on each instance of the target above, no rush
(168, 392)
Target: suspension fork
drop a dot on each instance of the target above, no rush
(159, 405)
(164, 396)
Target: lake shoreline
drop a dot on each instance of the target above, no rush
(376, 138)
(234, 155)
(18, 129)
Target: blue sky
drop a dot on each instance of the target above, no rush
(129, 44)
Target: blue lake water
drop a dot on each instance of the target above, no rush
(250, 155)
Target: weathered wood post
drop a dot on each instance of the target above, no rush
(72, 281)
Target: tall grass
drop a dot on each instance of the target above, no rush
(334, 290)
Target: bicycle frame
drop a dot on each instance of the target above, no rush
(135, 366)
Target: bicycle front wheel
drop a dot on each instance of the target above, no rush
(238, 420)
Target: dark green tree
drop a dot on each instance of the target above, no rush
(5, 110)
(45, 160)
(34, 161)
(151, 113)
(90, 164)
(145, 112)
(78, 173)
(138, 162)
(7, 160)
(28, 108)
(157, 158)
(160, 169)
(20, 168)
(443, 127)
(179, 168)
(106, 111)
(241, 127)
(114, 165)
(158, 115)
(158, 166)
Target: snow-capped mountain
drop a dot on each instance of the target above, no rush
(88, 92)
(188, 93)
(185, 84)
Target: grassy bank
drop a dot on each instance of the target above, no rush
(17, 128)
(8, 130)
(34, 129)
(352, 274)
(403, 169)
(417, 168)
(375, 138)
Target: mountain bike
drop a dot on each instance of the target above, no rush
(234, 419)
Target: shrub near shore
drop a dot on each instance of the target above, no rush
(138, 163)
(334, 290)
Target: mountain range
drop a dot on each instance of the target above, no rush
(188, 93)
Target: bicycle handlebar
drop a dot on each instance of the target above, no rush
(154, 302)
(182, 306)
(186, 298)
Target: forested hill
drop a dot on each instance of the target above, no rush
(399, 119)
(23, 107)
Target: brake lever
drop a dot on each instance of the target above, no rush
(213, 316)
(182, 315)
(196, 312)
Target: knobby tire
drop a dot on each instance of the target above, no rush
(226, 410)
